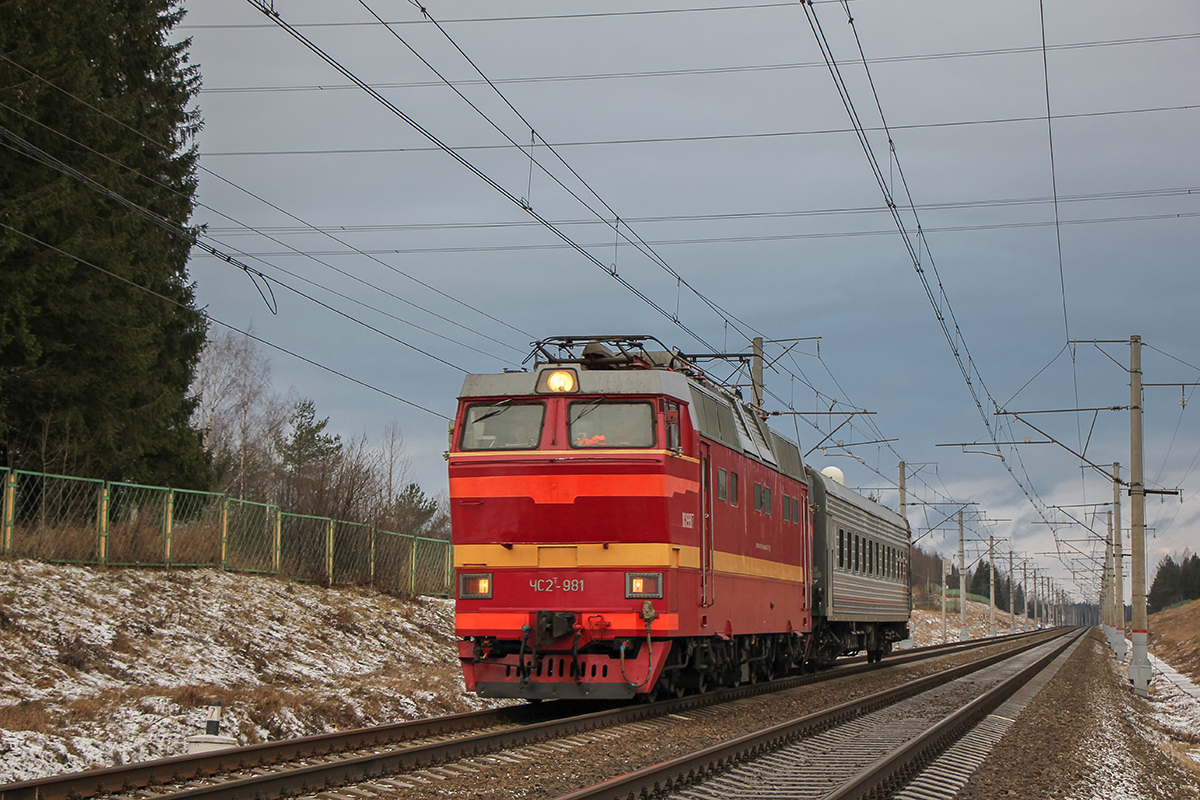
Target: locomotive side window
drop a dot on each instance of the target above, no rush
(502, 426)
(787, 508)
(733, 495)
(757, 496)
(597, 423)
(722, 484)
(767, 500)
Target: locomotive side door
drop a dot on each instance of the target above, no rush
(706, 527)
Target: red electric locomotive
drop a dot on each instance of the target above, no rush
(625, 526)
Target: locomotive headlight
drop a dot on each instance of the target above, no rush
(559, 381)
(475, 587)
(643, 584)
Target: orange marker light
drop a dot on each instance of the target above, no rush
(475, 587)
(643, 584)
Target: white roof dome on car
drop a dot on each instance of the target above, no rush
(834, 474)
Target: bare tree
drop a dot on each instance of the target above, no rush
(238, 414)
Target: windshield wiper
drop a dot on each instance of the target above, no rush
(589, 408)
(499, 408)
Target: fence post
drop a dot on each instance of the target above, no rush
(372, 565)
(329, 554)
(10, 510)
(448, 582)
(277, 541)
(102, 525)
(168, 524)
(412, 567)
(224, 533)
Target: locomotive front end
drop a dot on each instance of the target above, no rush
(567, 487)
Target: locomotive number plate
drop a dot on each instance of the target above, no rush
(557, 585)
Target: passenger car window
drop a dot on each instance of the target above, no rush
(597, 423)
(502, 426)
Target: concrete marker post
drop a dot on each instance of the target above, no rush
(211, 739)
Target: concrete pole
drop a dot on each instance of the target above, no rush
(1024, 596)
(1050, 609)
(1118, 565)
(1037, 600)
(903, 494)
(945, 577)
(962, 584)
(1106, 590)
(1139, 665)
(1012, 593)
(1045, 601)
(991, 587)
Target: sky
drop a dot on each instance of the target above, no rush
(430, 240)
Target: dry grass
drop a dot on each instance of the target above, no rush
(1175, 637)
(27, 715)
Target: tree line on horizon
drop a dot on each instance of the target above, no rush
(1174, 582)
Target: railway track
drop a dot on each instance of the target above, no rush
(864, 748)
(419, 749)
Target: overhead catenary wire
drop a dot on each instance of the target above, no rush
(782, 237)
(741, 216)
(716, 137)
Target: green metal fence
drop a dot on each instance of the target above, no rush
(85, 521)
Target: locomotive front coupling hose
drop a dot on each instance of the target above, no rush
(521, 672)
(648, 614)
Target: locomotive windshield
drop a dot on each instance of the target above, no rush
(597, 423)
(503, 426)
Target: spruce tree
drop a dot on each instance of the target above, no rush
(94, 369)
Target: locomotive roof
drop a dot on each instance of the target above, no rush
(617, 365)
(621, 381)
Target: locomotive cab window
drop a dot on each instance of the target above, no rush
(733, 495)
(502, 426)
(722, 484)
(596, 423)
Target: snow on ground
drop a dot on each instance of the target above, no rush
(1175, 704)
(926, 624)
(102, 667)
